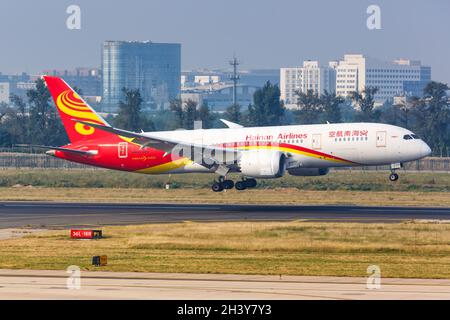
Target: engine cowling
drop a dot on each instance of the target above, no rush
(262, 164)
(308, 172)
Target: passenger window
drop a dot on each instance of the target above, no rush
(407, 137)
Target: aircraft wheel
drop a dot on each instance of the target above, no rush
(240, 185)
(393, 176)
(217, 187)
(228, 184)
(250, 183)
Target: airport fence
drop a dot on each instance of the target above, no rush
(13, 160)
(20, 160)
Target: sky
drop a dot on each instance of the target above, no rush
(263, 34)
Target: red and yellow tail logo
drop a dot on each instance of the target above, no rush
(70, 107)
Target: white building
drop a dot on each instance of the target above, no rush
(309, 77)
(399, 77)
(208, 79)
(4, 92)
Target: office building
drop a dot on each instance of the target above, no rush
(310, 77)
(153, 68)
(4, 92)
(399, 77)
(87, 79)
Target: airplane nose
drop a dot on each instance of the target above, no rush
(426, 151)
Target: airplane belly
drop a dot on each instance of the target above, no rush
(192, 168)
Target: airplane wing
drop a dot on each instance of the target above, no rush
(205, 155)
(231, 125)
(80, 152)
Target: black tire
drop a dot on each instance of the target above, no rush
(393, 177)
(217, 187)
(250, 183)
(228, 184)
(240, 185)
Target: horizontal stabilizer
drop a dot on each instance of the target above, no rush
(81, 152)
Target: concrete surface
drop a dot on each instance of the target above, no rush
(58, 214)
(11, 233)
(34, 284)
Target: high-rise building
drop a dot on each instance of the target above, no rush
(153, 68)
(399, 77)
(4, 92)
(310, 77)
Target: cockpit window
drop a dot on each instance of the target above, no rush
(410, 136)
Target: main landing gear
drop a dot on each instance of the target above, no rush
(394, 176)
(223, 183)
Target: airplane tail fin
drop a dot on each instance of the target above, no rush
(72, 107)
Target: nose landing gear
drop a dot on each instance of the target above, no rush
(394, 176)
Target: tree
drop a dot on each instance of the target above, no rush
(267, 109)
(432, 116)
(17, 123)
(366, 103)
(233, 113)
(331, 106)
(130, 116)
(309, 107)
(176, 107)
(205, 116)
(45, 124)
(190, 114)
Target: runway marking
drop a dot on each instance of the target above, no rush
(100, 277)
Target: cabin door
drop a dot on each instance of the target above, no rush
(381, 138)
(122, 149)
(317, 141)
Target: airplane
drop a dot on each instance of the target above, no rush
(253, 152)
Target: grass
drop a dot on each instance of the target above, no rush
(347, 180)
(280, 196)
(410, 250)
(348, 187)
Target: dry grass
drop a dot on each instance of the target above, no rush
(348, 180)
(255, 196)
(296, 248)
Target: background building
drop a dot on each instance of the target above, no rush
(215, 87)
(399, 77)
(153, 68)
(4, 92)
(219, 96)
(87, 79)
(309, 77)
(18, 84)
(353, 73)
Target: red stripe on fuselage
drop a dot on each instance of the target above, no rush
(142, 158)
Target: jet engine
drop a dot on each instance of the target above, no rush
(262, 163)
(308, 172)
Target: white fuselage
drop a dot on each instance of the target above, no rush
(314, 146)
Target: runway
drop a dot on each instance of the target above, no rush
(42, 284)
(58, 214)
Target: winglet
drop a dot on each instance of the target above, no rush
(231, 125)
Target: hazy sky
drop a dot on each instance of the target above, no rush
(264, 34)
